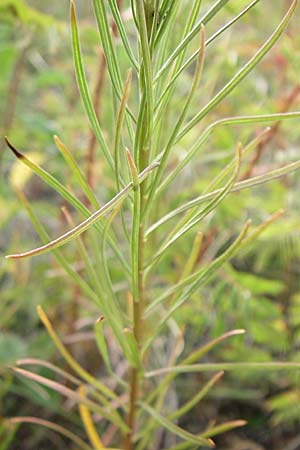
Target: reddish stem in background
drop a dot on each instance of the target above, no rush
(286, 103)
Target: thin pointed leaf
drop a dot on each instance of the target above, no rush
(55, 369)
(101, 343)
(224, 427)
(122, 32)
(181, 68)
(70, 360)
(61, 190)
(227, 367)
(119, 124)
(189, 222)
(168, 148)
(92, 219)
(83, 88)
(69, 393)
(165, 423)
(39, 228)
(196, 399)
(51, 426)
(87, 421)
(146, 67)
(204, 349)
(193, 283)
(110, 53)
(68, 157)
(242, 120)
(135, 230)
(190, 36)
(227, 426)
(194, 356)
(237, 187)
(242, 73)
(188, 405)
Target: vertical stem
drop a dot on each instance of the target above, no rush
(141, 156)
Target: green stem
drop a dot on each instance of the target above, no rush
(140, 160)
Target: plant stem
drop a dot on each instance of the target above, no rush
(141, 156)
(139, 296)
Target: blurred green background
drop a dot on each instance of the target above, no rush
(258, 290)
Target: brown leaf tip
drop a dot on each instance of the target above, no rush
(13, 149)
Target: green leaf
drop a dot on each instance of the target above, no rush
(242, 73)
(119, 24)
(168, 148)
(178, 69)
(51, 426)
(165, 423)
(196, 399)
(190, 36)
(101, 343)
(91, 220)
(230, 367)
(84, 90)
(61, 190)
(68, 157)
(239, 186)
(69, 393)
(189, 221)
(222, 122)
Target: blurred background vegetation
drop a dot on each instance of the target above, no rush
(258, 290)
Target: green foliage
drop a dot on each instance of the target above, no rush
(132, 266)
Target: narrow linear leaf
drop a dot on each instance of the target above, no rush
(146, 67)
(61, 190)
(83, 88)
(69, 270)
(224, 427)
(101, 343)
(204, 349)
(119, 124)
(190, 36)
(230, 367)
(196, 355)
(259, 139)
(48, 365)
(189, 222)
(51, 426)
(165, 423)
(196, 399)
(136, 215)
(69, 358)
(77, 172)
(88, 423)
(222, 122)
(122, 32)
(239, 186)
(189, 404)
(69, 393)
(227, 426)
(110, 53)
(183, 67)
(193, 283)
(242, 73)
(168, 148)
(93, 218)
